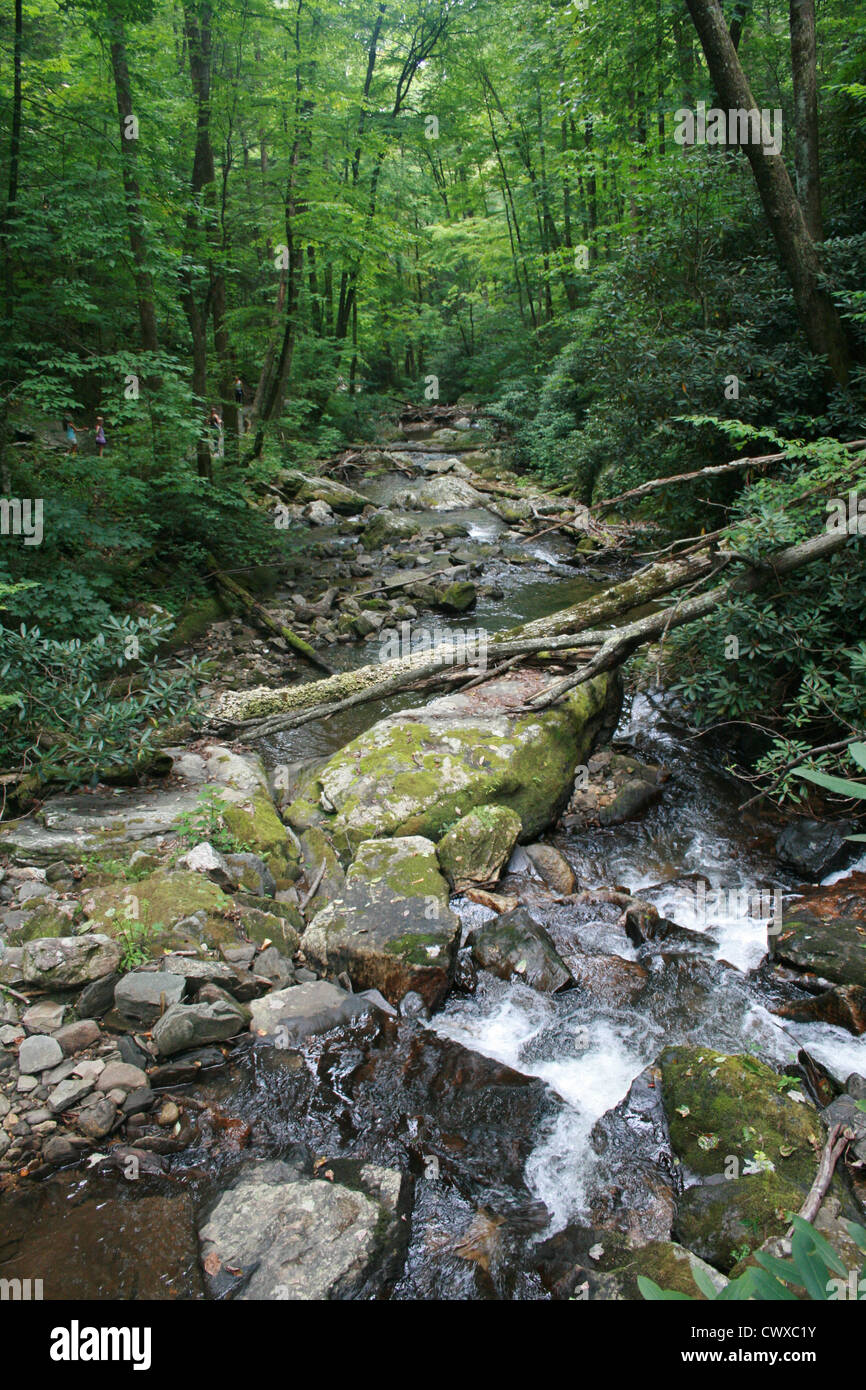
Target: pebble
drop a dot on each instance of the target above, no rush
(27, 1083)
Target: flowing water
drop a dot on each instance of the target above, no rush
(493, 1104)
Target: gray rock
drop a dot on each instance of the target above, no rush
(392, 929)
(189, 1025)
(204, 859)
(43, 1017)
(250, 872)
(145, 994)
(75, 1037)
(287, 1015)
(98, 1119)
(96, 999)
(302, 1238)
(59, 1150)
(39, 1053)
(68, 1093)
(28, 892)
(60, 962)
(552, 867)
(121, 1076)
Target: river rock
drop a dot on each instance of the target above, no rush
(287, 1015)
(189, 1025)
(98, 1119)
(823, 932)
(392, 928)
(386, 528)
(514, 944)
(39, 1053)
(122, 1077)
(322, 867)
(75, 1037)
(204, 859)
(474, 850)
(844, 1006)
(61, 962)
(69, 1093)
(144, 994)
(177, 910)
(456, 598)
(553, 868)
(302, 1238)
(44, 1017)
(418, 771)
(252, 874)
(815, 848)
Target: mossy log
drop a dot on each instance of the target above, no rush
(259, 615)
(574, 629)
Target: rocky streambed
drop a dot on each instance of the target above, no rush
(439, 998)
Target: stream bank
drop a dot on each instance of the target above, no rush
(453, 988)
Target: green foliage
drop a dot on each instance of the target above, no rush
(814, 1267)
(136, 939)
(207, 822)
(85, 707)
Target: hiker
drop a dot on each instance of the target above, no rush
(239, 391)
(72, 433)
(215, 425)
(99, 436)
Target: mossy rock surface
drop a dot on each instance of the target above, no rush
(391, 929)
(824, 932)
(319, 854)
(257, 825)
(44, 922)
(159, 903)
(421, 771)
(734, 1107)
(721, 1221)
(281, 931)
(474, 850)
(668, 1264)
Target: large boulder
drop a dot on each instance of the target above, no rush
(181, 910)
(474, 850)
(300, 488)
(824, 932)
(392, 928)
(286, 1015)
(60, 962)
(386, 527)
(280, 1234)
(419, 771)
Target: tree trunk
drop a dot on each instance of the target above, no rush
(14, 160)
(818, 316)
(134, 219)
(803, 61)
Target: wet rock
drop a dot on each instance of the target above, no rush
(143, 995)
(631, 801)
(386, 528)
(189, 1025)
(844, 1006)
(301, 489)
(288, 1015)
(815, 848)
(514, 944)
(465, 972)
(823, 932)
(634, 1194)
(845, 1111)
(392, 929)
(474, 850)
(296, 1237)
(419, 771)
(608, 978)
(60, 962)
(58, 1149)
(39, 1053)
(553, 868)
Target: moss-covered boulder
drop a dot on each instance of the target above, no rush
(386, 528)
(256, 824)
(824, 932)
(301, 488)
(321, 866)
(44, 922)
(722, 1108)
(474, 850)
(266, 928)
(163, 911)
(668, 1264)
(418, 772)
(456, 598)
(391, 929)
(721, 1222)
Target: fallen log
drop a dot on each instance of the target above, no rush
(264, 710)
(259, 615)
